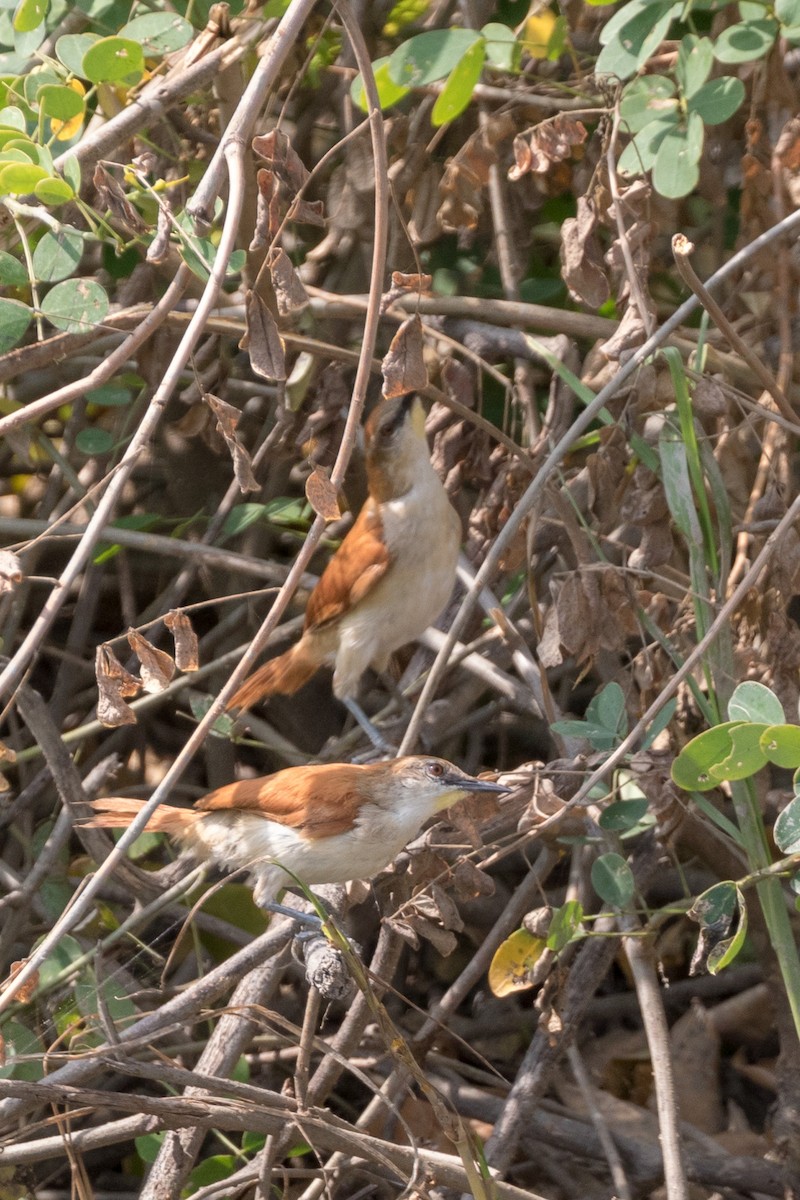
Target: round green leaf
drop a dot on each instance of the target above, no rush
(76, 305)
(71, 48)
(718, 99)
(714, 909)
(787, 828)
(19, 179)
(24, 1053)
(788, 12)
(53, 191)
(12, 118)
(742, 43)
(12, 271)
(158, 33)
(14, 321)
(29, 15)
(20, 150)
(753, 701)
(691, 769)
(640, 30)
(71, 170)
(502, 48)
(695, 59)
(457, 91)
(745, 756)
(726, 951)
(113, 60)
(58, 255)
(612, 879)
(676, 170)
(646, 99)
(641, 153)
(622, 815)
(64, 103)
(389, 93)
(781, 745)
(430, 56)
(92, 442)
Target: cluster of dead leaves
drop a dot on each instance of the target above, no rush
(116, 684)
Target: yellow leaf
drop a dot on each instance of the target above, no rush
(537, 33)
(513, 963)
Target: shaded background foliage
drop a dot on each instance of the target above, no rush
(529, 254)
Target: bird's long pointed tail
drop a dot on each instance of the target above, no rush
(281, 676)
(118, 812)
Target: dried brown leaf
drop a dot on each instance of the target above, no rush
(112, 197)
(158, 249)
(582, 257)
(157, 666)
(470, 881)
(10, 571)
(290, 295)
(186, 649)
(276, 149)
(442, 940)
(404, 368)
(113, 683)
(25, 992)
(307, 212)
(403, 284)
(262, 340)
(228, 418)
(539, 149)
(321, 495)
(268, 209)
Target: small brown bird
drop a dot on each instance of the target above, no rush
(325, 824)
(390, 578)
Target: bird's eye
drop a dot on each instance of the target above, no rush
(435, 769)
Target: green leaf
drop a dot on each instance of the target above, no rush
(635, 37)
(695, 59)
(149, 1145)
(787, 828)
(502, 48)
(113, 60)
(647, 99)
(718, 99)
(565, 926)
(14, 321)
(76, 305)
(753, 701)
(691, 770)
(714, 911)
(389, 93)
(53, 191)
(21, 1044)
(742, 43)
(457, 91)
(214, 1169)
(29, 15)
(745, 756)
(677, 484)
(19, 179)
(158, 33)
(676, 170)
(787, 12)
(58, 255)
(612, 879)
(12, 118)
(60, 958)
(781, 745)
(61, 102)
(430, 56)
(623, 815)
(726, 951)
(640, 154)
(112, 396)
(94, 442)
(660, 723)
(71, 48)
(608, 707)
(12, 271)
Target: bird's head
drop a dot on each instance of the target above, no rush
(397, 450)
(429, 784)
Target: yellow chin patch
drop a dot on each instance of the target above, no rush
(418, 418)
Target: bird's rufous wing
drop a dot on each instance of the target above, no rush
(320, 802)
(359, 563)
